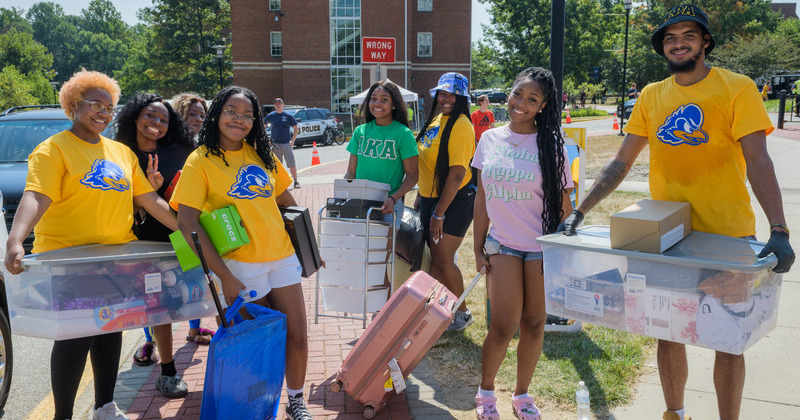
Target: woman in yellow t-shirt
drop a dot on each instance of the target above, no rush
(446, 144)
(79, 172)
(234, 166)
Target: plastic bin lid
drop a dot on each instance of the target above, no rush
(361, 183)
(699, 249)
(98, 252)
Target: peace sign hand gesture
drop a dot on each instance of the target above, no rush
(155, 177)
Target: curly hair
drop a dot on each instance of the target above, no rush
(182, 102)
(442, 167)
(257, 137)
(178, 132)
(551, 146)
(73, 89)
(399, 111)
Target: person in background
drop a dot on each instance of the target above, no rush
(80, 172)
(284, 134)
(234, 166)
(632, 92)
(446, 144)
(796, 93)
(149, 126)
(765, 91)
(707, 135)
(482, 118)
(192, 108)
(530, 145)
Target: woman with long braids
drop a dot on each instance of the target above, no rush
(523, 190)
(162, 142)
(446, 144)
(235, 166)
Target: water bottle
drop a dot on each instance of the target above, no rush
(582, 400)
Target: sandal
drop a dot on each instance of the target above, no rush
(146, 355)
(486, 408)
(525, 408)
(204, 336)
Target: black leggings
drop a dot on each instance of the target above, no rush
(67, 361)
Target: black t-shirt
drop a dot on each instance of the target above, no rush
(170, 161)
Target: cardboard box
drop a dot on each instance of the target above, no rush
(651, 226)
(225, 229)
(708, 290)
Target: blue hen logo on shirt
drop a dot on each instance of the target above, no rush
(684, 126)
(431, 134)
(105, 175)
(252, 182)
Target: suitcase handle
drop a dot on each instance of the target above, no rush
(208, 277)
(469, 288)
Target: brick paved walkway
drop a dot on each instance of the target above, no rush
(329, 343)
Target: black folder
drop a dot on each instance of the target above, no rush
(297, 221)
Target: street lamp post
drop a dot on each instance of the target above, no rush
(220, 57)
(628, 5)
(55, 91)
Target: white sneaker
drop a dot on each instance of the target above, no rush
(109, 411)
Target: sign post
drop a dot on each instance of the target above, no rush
(378, 50)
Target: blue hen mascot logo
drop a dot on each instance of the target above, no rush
(106, 175)
(252, 182)
(684, 126)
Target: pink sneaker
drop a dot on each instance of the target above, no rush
(525, 408)
(487, 408)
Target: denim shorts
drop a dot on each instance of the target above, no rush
(399, 206)
(493, 247)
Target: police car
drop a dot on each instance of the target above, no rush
(316, 125)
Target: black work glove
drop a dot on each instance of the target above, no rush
(778, 244)
(571, 223)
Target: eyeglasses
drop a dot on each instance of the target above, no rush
(156, 119)
(237, 116)
(98, 107)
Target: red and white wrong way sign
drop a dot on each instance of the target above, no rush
(377, 50)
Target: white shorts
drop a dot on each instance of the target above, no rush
(265, 276)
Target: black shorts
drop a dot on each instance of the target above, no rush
(458, 216)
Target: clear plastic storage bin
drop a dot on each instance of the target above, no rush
(707, 290)
(96, 289)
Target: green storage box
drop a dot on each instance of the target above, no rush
(225, 229)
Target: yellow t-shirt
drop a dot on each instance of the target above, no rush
(695, 154)
(460, 149)
(92, 188)
(208, 184)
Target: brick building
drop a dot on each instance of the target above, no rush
(309, 51)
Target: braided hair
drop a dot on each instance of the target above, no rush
(178, 132)
(442, 168)
(399, 113)
(257, 137)
(551, 147)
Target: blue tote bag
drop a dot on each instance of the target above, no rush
(246, 364)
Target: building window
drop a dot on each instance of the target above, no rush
(276, 44)
(345, 29)
(424, 5)
(274, 5)
(424, 44)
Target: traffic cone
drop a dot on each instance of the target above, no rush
(569, 119)
(314, 155)
(616, 123)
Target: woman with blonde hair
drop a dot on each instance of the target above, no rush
(80, 172)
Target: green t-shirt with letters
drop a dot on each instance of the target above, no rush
(381, 151)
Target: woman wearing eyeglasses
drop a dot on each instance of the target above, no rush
(235, 166)
(82, 189)
(162, 141)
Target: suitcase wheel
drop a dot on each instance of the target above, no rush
(335, 386)
(369, 412)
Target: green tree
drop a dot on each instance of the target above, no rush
(102, 38)
(180, 56)
(21, 55)
(15, 89)
(485, 73)
(13, 19)
(59, 35)
(758, 56)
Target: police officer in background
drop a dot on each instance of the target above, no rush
(284, 134)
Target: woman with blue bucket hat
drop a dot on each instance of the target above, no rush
(446, 144)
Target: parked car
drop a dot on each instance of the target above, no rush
(497, 97)
(316, 125)
(627, 108)
(783, 81)
(6, 348)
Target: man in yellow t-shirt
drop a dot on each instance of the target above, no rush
(706, 128)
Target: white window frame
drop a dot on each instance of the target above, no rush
(421, 41)
(273, 45)
(273, 4)
(424, 5)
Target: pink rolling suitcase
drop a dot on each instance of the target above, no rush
(394, 343)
